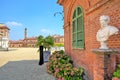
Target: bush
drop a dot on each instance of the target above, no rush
(61, 66)
(117, 72)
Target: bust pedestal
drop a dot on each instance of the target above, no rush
(104, 63)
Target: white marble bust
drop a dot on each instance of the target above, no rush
(105, 31)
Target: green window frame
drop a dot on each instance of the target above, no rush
(78, 28)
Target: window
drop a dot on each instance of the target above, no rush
(78, 29)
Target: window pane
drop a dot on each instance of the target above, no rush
(74, 37)
(79, 23)
(80, 44)
(74, 44)
(80, 40)
(74, 15)
(79, 36)
(74, 26)
(79, 11)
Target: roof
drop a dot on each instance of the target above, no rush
(58, 36)
(2, 26)
(31, 38)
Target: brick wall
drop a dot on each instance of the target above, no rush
(92, 11)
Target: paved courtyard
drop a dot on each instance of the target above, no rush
(22, 64)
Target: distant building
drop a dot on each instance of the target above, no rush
(16, 44)
(32, 41)
(58, 40)
(4, 36)
(26, 42)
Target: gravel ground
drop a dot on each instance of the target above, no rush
(22, 64)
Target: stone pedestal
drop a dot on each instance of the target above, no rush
(104, 63)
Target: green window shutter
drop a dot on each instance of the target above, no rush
(78, 29)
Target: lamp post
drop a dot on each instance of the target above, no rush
(41, 61)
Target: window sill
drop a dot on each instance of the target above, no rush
(78, 48)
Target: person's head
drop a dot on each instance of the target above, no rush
(104, 20)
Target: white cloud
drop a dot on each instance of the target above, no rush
(13, 23)
(47, 31)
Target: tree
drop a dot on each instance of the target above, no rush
(47, 42)
(40, 40)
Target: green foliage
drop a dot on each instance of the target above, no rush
(40, 40)
(59, 45)
(117, 72)
(47, 42)
(61, 66)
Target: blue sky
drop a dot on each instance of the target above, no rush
(35, 15)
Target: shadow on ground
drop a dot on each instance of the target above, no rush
(8, 50)
(24, 70)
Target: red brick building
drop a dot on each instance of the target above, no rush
(32, 41)
(81, 23)
(27, 42)
(58, 40)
